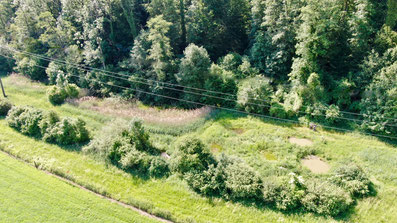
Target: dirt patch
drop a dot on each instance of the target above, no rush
(315, 164)
(300, 142)
(238, 131)
(130, 109)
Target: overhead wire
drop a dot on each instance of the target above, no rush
(104, 72)
(177, 85)
(222, 108)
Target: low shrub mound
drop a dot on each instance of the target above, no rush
(57, 95)
(128, 147)
(316, 195)
(67, 131)
(227, 177)
(48, 126)
(325, 198)
(26, 120)
(5, 107)
(353, 179)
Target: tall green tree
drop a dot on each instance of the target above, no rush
(219, 26)
(275, 27)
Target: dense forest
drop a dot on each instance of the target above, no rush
(314, 61)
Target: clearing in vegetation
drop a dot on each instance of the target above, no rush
(172, 198)
(300, 142)
(315, 164)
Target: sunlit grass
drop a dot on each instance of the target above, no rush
(258, 142)
(28, 195)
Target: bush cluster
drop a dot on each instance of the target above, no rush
(26, 120)
(315, 196)
(5, 107)
(352, 178)
(57, 95)
(233, 180)
(130, 149)
(48, 126)
(227, 177)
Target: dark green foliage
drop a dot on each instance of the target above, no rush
(241, 182)
(66, 132)
(48, 126)
(352, 178)
(228, 178)
(278, 110)
(192, 155)
(158, 167)
(282, 194)
(379, 102)
(5, 107)
(26, 120)
(314, 195)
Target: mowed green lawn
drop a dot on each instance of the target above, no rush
(29, 195)
(173, 197)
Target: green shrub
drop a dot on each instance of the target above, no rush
(26, 120)
(209, 182)
(281, 195)
(128, 147)
(57, 95)
(325, 198)
(278, 110)
(192, 155)
(49, 120)
(323, 113)
(242, 182)
(135, 159)
(353, 179)
(66, 132)
(158, 167)
(72, 91)
(254, 95)
(5, 107)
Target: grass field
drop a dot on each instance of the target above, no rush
(29, 195)
(259, 143)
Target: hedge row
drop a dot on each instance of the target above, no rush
(231, 179)
(48, 126)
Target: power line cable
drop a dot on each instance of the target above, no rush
(86, 68)
(171, 84)
(223, 108)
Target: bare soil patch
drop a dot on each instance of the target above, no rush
(300, 142)
(130, 109)
(315, 164)
(238, 131)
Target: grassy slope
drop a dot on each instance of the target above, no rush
(28, 195)
(171, 195)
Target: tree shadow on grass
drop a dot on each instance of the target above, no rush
(298, 212)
